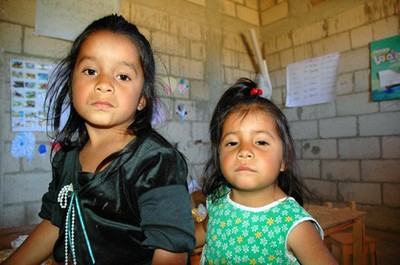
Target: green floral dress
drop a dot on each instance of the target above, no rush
(237, 234)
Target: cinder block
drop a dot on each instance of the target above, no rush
(248, 15)
(287, 57)
(323, 149)
(326, 110)
(354, 60)
(186, 68)
(349, 19)
(198, 2)
(318, 111)
(43, 46)
(195, 152)
(360, 192)
(362, 81)
(303, 52)
(228, 8)
(266, 4)
(253, 4)
(14, 215)
(345, 84)
(193, 30)
(361, 36)
(200, 131)
(25, 187)
(391, 195)
(197, 50)
(309, 168)
(338, 127)
(380, 124)
(345, 105)
(234, 42)
(19, 12)
(273, 63)
(292, 114)
(32, 210)
(322, 189)
(359, 148)
(304, 129)
(10, 38)
(309, 33)
(149, 17)
(336, 43)
(340, 170)
(390, 105)
(380, 170)
(177, 132)
(10, 164)
(199, 90)
(278, 79)
(230, 58)
(275, 13)
(385, 28)
(391, 147)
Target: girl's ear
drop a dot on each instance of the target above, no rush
(282, 166)
(142, 103)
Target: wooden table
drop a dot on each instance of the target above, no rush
(333, 220)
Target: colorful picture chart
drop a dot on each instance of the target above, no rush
(385, 69)
(28, 90)
(312, 81)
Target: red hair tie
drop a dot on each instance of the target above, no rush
(256, 91)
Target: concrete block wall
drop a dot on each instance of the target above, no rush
(348, 149)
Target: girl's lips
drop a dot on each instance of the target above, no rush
(244, 168)
(102, 104)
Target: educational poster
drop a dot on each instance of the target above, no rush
(312, 81)
(67, 19)
(28, 82)
(385, 69)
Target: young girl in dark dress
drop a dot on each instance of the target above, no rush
(119, 190)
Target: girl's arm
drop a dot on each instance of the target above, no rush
(37, 247)
(306, 244)
(164, 257)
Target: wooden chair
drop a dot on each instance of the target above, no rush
(344, 243)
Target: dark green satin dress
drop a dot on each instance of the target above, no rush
(138, 203)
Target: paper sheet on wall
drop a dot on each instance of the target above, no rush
(312, 81)
(66, 19)
(28, 84)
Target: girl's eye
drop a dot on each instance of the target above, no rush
(262, 143)
(124, 77)
(89, 71)
(231, 143)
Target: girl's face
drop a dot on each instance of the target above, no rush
(251, 153)
(107, 81)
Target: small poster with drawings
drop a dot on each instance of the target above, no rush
(385, 69)
(28, 83)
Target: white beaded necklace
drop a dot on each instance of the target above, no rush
(69, 239)
(63, 195)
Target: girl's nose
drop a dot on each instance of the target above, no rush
(245, 153)
(104, 85)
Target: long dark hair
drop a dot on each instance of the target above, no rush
(238, 98)
(58, 98)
